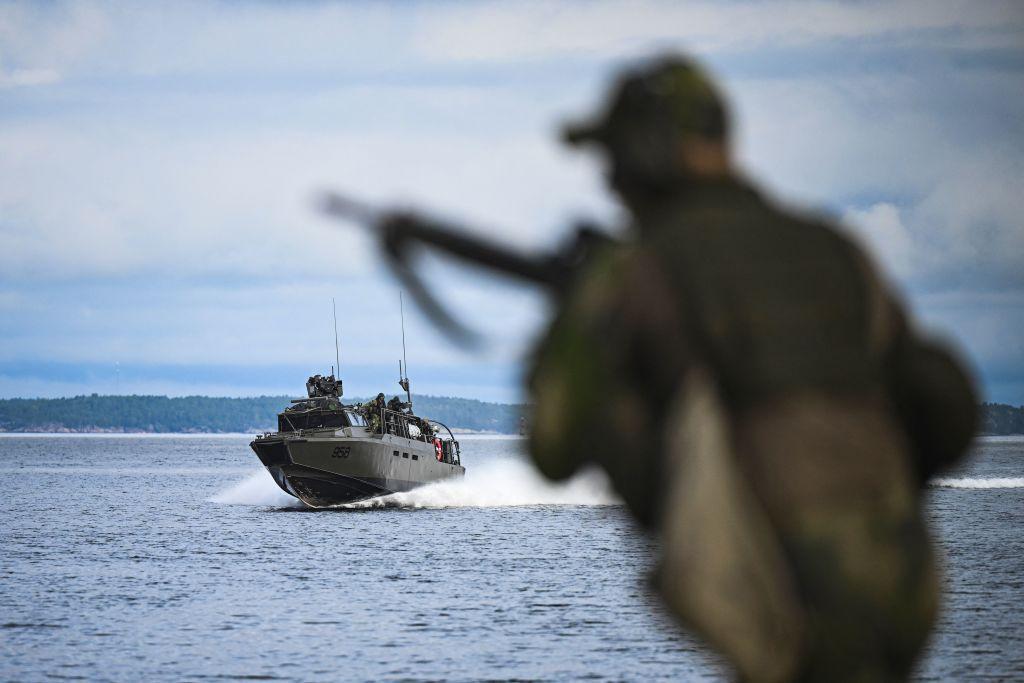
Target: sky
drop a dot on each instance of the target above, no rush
(159, 162)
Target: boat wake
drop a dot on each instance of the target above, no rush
(979, 483)
(257, 488)
(506, 483)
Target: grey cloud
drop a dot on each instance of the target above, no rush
(93, 38)
(177, 154)
(97, 205)
(966, 233)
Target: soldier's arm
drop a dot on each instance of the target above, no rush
(604, 376)
(933, 394)
(569, 379)
(935, 399)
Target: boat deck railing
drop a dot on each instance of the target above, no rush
(398, 423)
(395, 423)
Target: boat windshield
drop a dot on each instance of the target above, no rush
(355, 419)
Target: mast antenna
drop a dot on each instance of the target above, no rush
(337, 355)
(403, 381)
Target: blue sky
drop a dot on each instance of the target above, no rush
(157, 165)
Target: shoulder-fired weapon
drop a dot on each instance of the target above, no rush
(401, 232)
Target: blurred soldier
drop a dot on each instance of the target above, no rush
(757, 395)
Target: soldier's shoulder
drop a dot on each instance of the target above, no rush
(603, 271)
(816, 227)
(821, 221)
(614, 279)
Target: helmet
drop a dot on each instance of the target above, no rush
(668, 96)
(652, 109)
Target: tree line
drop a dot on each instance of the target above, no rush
(207, 414)
(999, 418)
(256, 414)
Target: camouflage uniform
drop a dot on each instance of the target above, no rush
(758, 398)
(374, 409)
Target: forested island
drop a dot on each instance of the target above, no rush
(999, 418)
(204, 414)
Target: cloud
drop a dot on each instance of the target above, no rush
(882, 228)
(27, 77)
(500, 31)
(129, 203)
(966, 232)
(203, 38)
(158, 162)
(46, 40)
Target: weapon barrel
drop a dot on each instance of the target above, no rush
(399, 228)
(400, 232)
(349, 209)
(482, 252)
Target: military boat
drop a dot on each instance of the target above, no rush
(327, 453)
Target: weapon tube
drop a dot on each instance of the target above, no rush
(400, 232)
(397, 229)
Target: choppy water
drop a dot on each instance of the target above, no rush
(176, 558)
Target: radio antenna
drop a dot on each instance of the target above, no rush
(403, 381)
(337, 354)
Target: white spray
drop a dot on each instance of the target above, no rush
(501, 483)
(979, 483)
(257, 488)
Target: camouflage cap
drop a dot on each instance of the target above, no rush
(667, 97)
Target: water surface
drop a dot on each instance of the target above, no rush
(176, 558)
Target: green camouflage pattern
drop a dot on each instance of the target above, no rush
(673, 97)
(650, 114)
(757, 397)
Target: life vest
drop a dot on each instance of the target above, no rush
(438, 450)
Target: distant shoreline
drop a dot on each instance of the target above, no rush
(96, 414)
(248, 435)
(217, 415)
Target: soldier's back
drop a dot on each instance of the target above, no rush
(794, 327)
(779, 302)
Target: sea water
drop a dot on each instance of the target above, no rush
(177, 558)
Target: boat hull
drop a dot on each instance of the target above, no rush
(329, 469)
